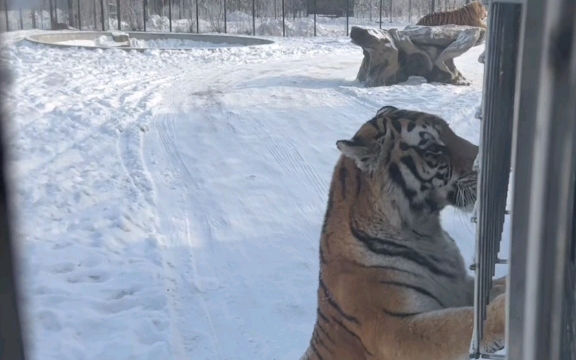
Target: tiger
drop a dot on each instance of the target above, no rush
(392, 283)
(472, 14)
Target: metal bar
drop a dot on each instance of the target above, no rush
(50, 4)
(347, 17)
(119, 14)
(391, 10)
(21, 20)
(79, 18)
(527, 87)
(145, 5)
(11, 342)
(546, 90)
(381, 1)
(94, 13)
(225, 26)
(552, 169)
(103, 19)
(170, 15)
(495, 160)
(253, 17)
(197, 19)
(314, 17)
(283, 20)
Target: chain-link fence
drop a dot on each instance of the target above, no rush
(248, 17)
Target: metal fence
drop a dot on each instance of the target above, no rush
(248, 17)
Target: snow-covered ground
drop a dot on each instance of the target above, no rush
(170, 203)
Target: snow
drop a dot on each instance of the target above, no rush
(170, 203)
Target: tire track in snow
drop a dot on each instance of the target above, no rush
(287, 155)
(188, 304)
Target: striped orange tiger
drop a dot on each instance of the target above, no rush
(393, 284)
(471, 14)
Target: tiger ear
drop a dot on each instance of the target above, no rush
(386, 109)
(364, 154)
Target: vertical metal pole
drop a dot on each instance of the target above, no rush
(314, 17)
(495, 159)
(170, 15)
(79, 18)
(283, 20)
(551, 169)
(253, 17)
(197, 18)
(33, 14)
(119, 14)
(347, 19)
(145, 5)
(21, 19)
(70, 13)
(381, 1)
(95, 14)
(11, 342)
(8, 17)
(225, 25)
(527, 86)
(391, 10)
(56, 11)
(103, 19)
(409, 11)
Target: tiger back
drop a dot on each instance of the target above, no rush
(471, 14)
(392, 283)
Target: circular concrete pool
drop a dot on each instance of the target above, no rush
(140, 41)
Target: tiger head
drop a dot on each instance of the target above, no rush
(414, 161)
(478, 9)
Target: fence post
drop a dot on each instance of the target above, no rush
(21, 20)
(197, 19)
(381, 14)
(145, 8)
(119, 14)
(79, 18)
(409, 11)
(8, 17)
(314, 17)
(94, 13)
(347, 7)
(253, 17)
(70, 13)
(50, 5)
(283, 21)
(170, 15)
(225, 27)
(103, 19)
(391, 10)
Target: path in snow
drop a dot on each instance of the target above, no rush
(170, 204)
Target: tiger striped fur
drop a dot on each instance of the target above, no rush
(393, 284)
(471, 14)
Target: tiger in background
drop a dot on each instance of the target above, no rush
(472, 14)
(393, 284)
